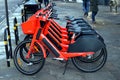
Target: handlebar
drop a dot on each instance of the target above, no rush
(50, 6)
(47, 13)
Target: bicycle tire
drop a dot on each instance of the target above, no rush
(28, 37)
(85, 67)
(27, 64)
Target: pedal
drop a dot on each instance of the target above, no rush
(61, 59)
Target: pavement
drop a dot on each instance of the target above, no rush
(108, 25)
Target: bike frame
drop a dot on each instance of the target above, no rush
(50, 36)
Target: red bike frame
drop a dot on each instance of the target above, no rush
(50, 36)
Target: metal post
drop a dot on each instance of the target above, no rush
(6, 47)
(16, 31)
(7, 21)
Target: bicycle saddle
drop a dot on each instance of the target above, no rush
(76, 22)
(80, 23)
(75, 30)
(82, 28)
(72, 25)
(75, 19)
(84, 25)
(77, 25)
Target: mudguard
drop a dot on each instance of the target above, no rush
(86, 43)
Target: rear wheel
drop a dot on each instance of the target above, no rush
(91, 64)
(28, 66)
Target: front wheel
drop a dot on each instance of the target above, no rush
(91, 66)
(28, 66)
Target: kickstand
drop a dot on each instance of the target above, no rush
(65, 67)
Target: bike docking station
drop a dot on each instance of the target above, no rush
(77, 41)
(7, 46)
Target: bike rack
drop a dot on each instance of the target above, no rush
(6, 42)
(8, 47)
(16, 31)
